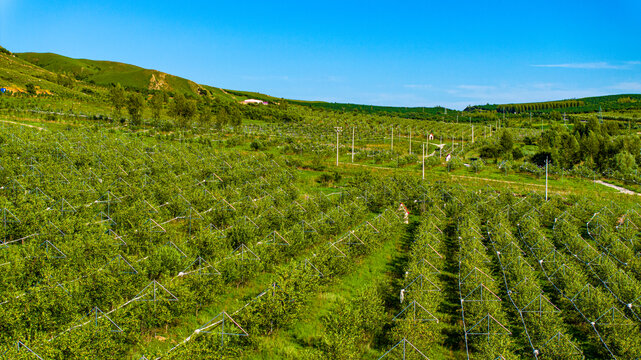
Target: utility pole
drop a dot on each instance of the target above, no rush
(546, 179)
(410, 141)
(600, 115)
(427, 148)
(472, 134)
(352, 144)
(423, 161)
(338, 130)
(392, 138)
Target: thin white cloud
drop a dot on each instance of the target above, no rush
(477, 87)
(627, 86)
(417, 86)
(601, 65)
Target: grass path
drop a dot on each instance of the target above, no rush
(27, 125)
(383, 267)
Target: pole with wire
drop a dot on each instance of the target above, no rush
(423, 161)
(352, 144)
(338, 130)
(546, 179)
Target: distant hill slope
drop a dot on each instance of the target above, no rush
(16, 73)
(106, 73)
(375, 109)
(110, 72)
(582, 105)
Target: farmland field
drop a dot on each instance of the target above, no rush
(145, 216)
(120, 244)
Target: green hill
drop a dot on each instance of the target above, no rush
(110, 72)
(16, 74)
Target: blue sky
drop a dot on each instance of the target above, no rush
(414, 53)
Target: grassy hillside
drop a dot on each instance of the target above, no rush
(16, 74)
(110, 72)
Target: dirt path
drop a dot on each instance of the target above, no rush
(223, 90)
(620, 189)
(27, 125)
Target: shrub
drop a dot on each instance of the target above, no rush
(256, 145)
(31, 89)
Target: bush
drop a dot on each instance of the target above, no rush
(31, 89)
(432, 161)
(324, 178)
(540, 158)
(517, 153)
(454, 163)
(489, 152)
(477, 165)
(256, 145)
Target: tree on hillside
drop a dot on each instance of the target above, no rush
(135, 106)
(235, 116)
(624, 162)
(569, 151)
(117, 98)
(155, 104)
(506, 143)
(64, 80)
(593, 125)
(183, 109)
(31, 89)
(222, 117)
(204, 116)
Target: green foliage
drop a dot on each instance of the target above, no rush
(625, 162)
(256, 145)
(156, 104)
(135, 107)
(583, 105)
(454, 163)
(31, 89)
(118, 98)
(506, 143)
(183, 109)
